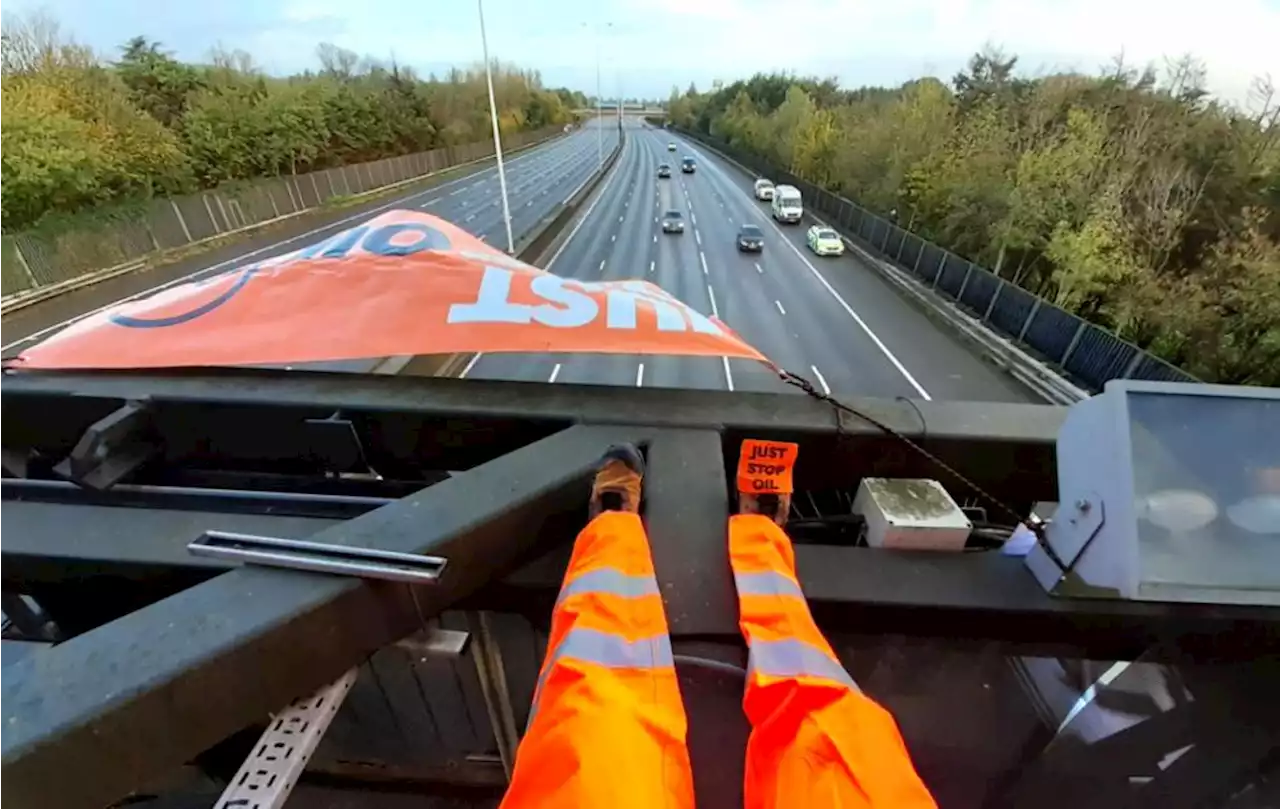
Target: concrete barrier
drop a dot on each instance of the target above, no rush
(533, 245)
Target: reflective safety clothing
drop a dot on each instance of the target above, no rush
(816, 740)
(607, 727)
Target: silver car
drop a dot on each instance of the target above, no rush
(673, 222)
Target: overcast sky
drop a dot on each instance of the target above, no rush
(646, 46)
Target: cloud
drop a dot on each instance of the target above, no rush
(648, 45)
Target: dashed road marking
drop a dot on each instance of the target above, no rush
(613, 238)
(640, 376)
(698, 236)
(471, 364)
(651, 263)
(703, 257)
(470, 216)
(728, 375)
(780, 309)
(711, 293)
(759, 269)
(602, 265)
(555, 372)
(655, 238)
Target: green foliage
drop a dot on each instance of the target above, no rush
(1132, 200)
(79, 132)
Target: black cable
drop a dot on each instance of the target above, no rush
(1031, 522)
(924, 425)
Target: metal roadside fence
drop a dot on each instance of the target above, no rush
(38, 258)
(1086, 352)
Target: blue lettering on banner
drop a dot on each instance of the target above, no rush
(378, 242)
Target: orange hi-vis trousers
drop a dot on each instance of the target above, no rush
(608, 727)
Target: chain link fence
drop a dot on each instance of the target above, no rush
(45, 256)
(1088, 354)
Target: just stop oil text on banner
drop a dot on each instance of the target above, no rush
(403, 283)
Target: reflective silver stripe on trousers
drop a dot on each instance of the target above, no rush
(606, 649)
(766, 583)
(794, 658)
(610, 580)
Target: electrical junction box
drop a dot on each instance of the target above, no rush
(910, 514)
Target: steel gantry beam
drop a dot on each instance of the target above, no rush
(173, 653)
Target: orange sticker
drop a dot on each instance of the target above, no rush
(764, 467)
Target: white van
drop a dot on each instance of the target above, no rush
(787, 206)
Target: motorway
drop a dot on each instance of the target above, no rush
(538, 180)
(829, 319)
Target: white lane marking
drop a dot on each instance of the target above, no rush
(655, 238)
(527, 204)
(470, 216)
(640, 376)
(456, 193)
(728, 375)
(470, 365)
(694, 218)
(697, 236)
(655, 220)
(429, 203)
(651, 266)
(613, 238)
(711, 293)
(555, 372)
(620, 218)
(703, 257)
(602, 265)
(780, 309)
(587, 215)
(821, 380)
(758, 268)
(884, 349)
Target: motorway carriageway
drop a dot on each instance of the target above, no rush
(829, 319)
(538, 180)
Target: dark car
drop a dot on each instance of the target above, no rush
(750, 239)
(673, 222)
(664, 170)
(688, 165)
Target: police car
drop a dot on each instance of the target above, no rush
(824, 241)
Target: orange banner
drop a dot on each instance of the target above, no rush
(403, 283)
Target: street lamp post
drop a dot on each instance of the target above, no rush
(497, 132)
(599, 107)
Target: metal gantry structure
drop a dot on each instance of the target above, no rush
(145, 658)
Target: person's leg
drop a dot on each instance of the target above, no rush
(816, 740)
(607, 728)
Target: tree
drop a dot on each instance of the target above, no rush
(1130, 198)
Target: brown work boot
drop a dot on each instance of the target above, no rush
(618, 481)
(774, 506)
(764, 478)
